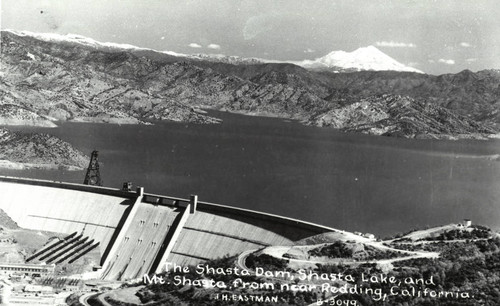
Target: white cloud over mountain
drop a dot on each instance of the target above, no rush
(394, 44)
(194, 45)
(465, 44)
(447, 61)
(213, 46)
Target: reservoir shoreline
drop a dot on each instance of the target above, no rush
(344, 180)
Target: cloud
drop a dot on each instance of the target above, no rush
(194, 45)
(213, 46)
(309, 50)
(470, 60)
(447, 61)
(162, 38)
(394, 44)
(465, 44)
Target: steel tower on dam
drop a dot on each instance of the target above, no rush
(138, 232)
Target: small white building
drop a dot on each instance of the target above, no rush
(369, 236)
(467, 223)
(38, 288)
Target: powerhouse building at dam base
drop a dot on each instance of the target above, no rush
(138, 232)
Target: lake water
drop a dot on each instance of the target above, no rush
(355, 182)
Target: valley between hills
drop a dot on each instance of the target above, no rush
(45, 79)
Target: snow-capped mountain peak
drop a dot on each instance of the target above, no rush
(365, 58)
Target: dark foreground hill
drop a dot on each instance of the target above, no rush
(67, 80)
(38, 150)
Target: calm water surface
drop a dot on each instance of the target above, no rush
(350, 181)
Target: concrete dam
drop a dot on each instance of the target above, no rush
(139, 232)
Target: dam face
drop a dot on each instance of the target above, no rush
(138, 232)
(63, 210)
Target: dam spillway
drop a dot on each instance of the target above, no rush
(142, 241)
(138, 232)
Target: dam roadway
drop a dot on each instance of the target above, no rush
(139, 232)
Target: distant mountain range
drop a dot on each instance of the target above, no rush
(54, 77)
(367, 58)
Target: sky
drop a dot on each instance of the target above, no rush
(435, 36)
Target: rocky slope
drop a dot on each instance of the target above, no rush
(472, 94)
(11, 114)
(76, 82)
(399, 116)
(6, 221)
(37, 150)
(82, 80)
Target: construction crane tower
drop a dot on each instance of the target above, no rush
(93, 177)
